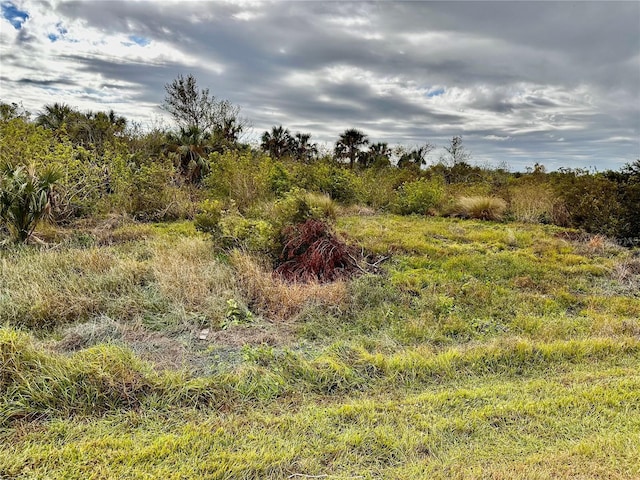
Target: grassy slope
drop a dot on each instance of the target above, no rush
(484, 351)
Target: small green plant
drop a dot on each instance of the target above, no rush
(25, 198)
(236, 314)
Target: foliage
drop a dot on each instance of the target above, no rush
(208, 217)
(193, 108)
(277, 143)
(25, 198)
(349, 145)
(189, 153)
(313, 252)
(591, 201)
(419, 196)
(415, 157)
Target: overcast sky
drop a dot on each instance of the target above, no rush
(522, 82)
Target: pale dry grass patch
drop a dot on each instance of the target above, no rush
(280, 300)
(532, 203)
(188, 274)
(482, 208)
(52, 287)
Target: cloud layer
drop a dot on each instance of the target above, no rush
(555, 83)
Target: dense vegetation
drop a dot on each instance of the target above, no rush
(195, 307)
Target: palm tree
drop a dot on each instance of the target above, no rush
(377, 155)
(188, 150)
(302, 148)
(55, 116)
(349, 144)
(416, 157)
(277, 143)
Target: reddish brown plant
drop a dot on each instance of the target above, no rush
(313, 252)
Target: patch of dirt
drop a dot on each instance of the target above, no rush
(241, 335)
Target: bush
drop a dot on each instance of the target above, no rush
(591, 201)
(149, 192)
(24, 198)
(420, 196)
(482, 208)
(313, 252)
(299, 206)
(208, 217)
(250, 234)
(339, 183)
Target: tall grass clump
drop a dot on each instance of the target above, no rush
(532, 204)
(481, 208)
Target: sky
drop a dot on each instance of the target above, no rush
(556, 83)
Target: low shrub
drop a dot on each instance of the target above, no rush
(250, 234)
(208, 217)
(299, 206)
(420, 196)
(482, 208)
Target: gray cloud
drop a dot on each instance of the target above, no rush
(523, 82)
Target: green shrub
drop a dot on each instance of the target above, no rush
(208, 217)
(482, 208)
(24, 198)
(149, 193)
(299, 206)
(591, 201)
(250, 234)
(419, 196)
(240, 177)
(336, 181)
(279, 179)
(377, 187)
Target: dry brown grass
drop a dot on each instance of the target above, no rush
(482, 208)
(187, 274)
(532, 203)
(276, 299)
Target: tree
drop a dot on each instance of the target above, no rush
(278, 143)
(302, 148)
(55, 116)
(416, 157)
(192, 107)
(24, 198)
(379, 155)
(458, 154)
(188, 151)
(189, 105)
(349, 145)
(9, 111)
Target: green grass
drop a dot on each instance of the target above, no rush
(482, 350)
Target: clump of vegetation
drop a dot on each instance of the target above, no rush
(313, 252)
(25, 198)
(278, 299)
(421, 196)
(481, 208)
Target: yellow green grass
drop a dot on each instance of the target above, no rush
(479, 350)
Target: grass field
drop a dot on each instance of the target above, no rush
(473, 350)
